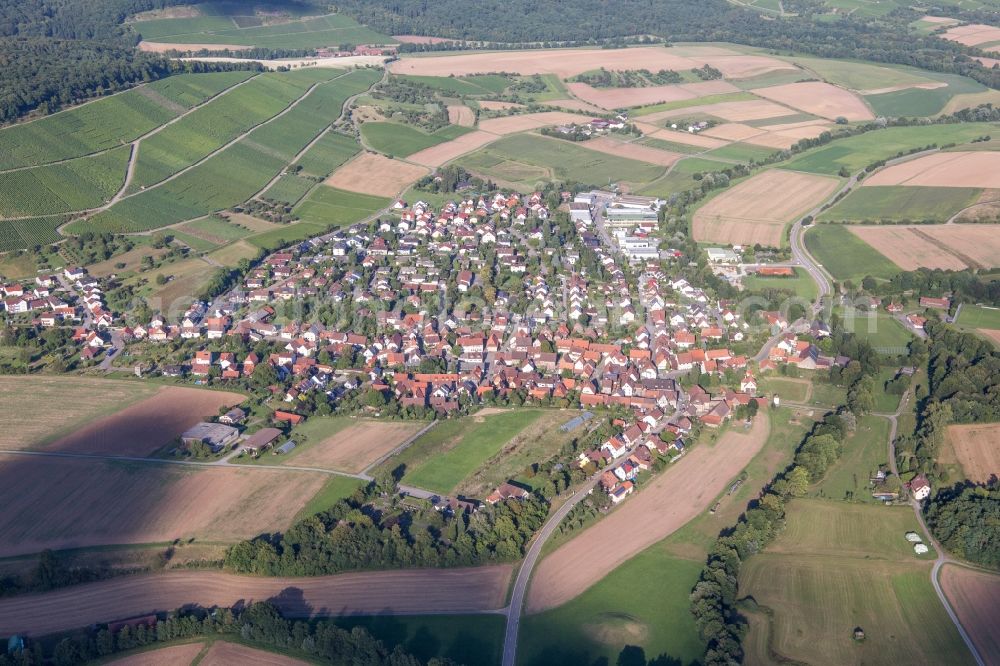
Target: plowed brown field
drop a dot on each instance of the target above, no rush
(977, 447)
(616, 98)
(945, 246)
(357, 446)
(175, 655)
(975, 597)
(659, 509)
(223, 653)
(411, 592)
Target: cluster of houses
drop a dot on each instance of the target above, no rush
(595, 127)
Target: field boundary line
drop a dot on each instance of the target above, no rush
(399, 449)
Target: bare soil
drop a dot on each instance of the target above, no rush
(698, 140)
(223, 653)
(977, 448)
(733, 131)
(445, 152)
(459, 114)
(819, 99)
(175, 655)
(371, 173)
(660, 508)
(420, 39)
(357, 446)
(757, 210)
(412, 592)
(975, 597)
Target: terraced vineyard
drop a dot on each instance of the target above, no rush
(108, 122)
(29, 232)
(328, 153)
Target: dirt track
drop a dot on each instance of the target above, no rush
(666, 504)
(412, 591)
(975, 596)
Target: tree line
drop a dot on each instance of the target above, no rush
(258, 625)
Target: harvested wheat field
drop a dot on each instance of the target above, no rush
(975, 598)
(224, 653)
(529, 121)
(687, 138)
(70, 503)
(635, 151)
(930, 85)
(459, 114)
(958, 169)
(574, 105)
(945, 246)
(616, 98)
(163, 47)
(973, 35)
(358, 446)
(732, 131)
(819, 99)
(371, 173)
(491, 105)
(445, 152)
(739, 66)
(143, 427)
(406, 592)
(977, 448)
(755, 109)
(757, 210)
(786, 138)
(175, 655)
(663, 506)
(420, 39)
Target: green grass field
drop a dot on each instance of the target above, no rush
(681, 176)
(289, 189)
(974, 316)
(621, 609)
(445, 455)
(472, 640)
(741, 152)
(487, 84)
(286, 235)
(402, 140)
(857, 75)
(879, 329)
(216, 228)
(838, 566)
(802, 284)
(333, 207)
(898, 203)
(856, 152)
(846, 256)
(672, 146)
(110, 121)
(923, 102)
(336, 489)
(328, 153)
(683, 103)
(864, 451)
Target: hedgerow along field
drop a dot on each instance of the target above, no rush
(237, 173)
(402, 140)
(844, 255)
(452, 450)
(110, 121)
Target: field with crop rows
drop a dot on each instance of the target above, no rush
(328, 153)
(26, 233)
(57, 188)
(108, 122)
(403, 140)
(289, 188)
(330, 206)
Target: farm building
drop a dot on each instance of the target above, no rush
(214, 435)
(722, 255)
(260, 440)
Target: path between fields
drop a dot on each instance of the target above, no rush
(405, 592)
(659, 509)
(942, 555)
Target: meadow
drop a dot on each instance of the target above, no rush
(332, 207)
(334, 490)
(856, 152)
(740, 152)
(562, 159)
(897, 202)
(440, 459)
(975, 316)
(802, 284)
(402, 140)
(844, 255)
(680, 177)
(109, 121)
(864, 451)
(486, 84)
(879, 328)
(838, 566)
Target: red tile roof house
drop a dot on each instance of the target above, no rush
(507, 491)
(938, 303)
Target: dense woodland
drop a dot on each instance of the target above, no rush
(966, 520)
(373, 530)
(259, 624)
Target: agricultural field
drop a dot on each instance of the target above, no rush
(528, 158)
(289, 189)
(975, 450)
(838, 566)
(740, 152)
(898, 203)
(50, 502)
(328, 153)
(108, 122)
(844, 255)
(375, 174)
(286, 235)
(396, 139)
(802, 284)
(345, 444)
(333, 207)
(222, 653)
(447, 454)
(225, 28)
(216, 229)
(974, 596)
(946, 246)
(473, 640)
(750, 213)
(463, 86)
(681, 176)
(856, 152)
(944, 169)
(78, 184)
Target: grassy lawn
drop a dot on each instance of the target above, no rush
(838, 566)
(620, 611)
(864, 451)
(333, 207)
(448, 453)
(215, 228)
(825, 393)
(856, 152)
(473, 640)
(802, 284)
(402, 140)
(880, 329)
(741, 152)
(975, 316)
(336, 489)
(897, 202)
(794, 390)
(846, 256)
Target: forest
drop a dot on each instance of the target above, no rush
(259, 624)
(966, 520)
